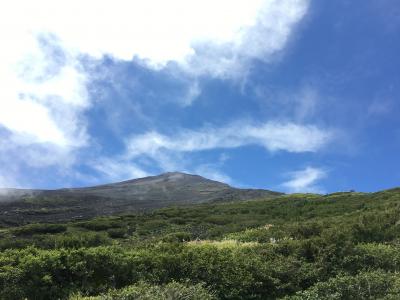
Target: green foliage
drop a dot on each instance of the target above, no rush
(39, 229)
(100, 224)
(338, 246)
(116, 233)
(365, 285)
(145, 291)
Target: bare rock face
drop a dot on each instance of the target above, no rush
(24, 206)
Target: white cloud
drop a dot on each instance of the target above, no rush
(212, 172)
(41, 102)
(154, 150)
(300, 104)
(25, 165)
(306, 103)
(40, 98)
(266, 32)
(204, 37)
(168, 152)
(304, 181)
(44, 93)
(118, 170)
(193, 92)
(272, 136)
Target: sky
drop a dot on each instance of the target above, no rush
(287, 95)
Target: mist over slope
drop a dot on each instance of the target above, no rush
(19, 206)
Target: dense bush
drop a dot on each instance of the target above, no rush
(366, 285)
(39, 229)
(144, 291)
(339, 246)
(100, 224)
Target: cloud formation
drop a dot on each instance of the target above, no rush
(118, 170)
(304, 181)
(45, 44)
(44, 86)
(170, 152)
(272, 136)
(40, 101)
(157, 151)
(43, 98)
(203, 37)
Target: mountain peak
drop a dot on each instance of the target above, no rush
(181, 175)
(175, 174)
(172, 178)
(171, 188)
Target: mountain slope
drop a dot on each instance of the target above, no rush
(25, 206)
(343, 245)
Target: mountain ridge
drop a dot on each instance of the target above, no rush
(135, 195)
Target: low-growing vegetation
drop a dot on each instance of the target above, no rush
(338, 246)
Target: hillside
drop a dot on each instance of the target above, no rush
(138, 195)
(301, 246)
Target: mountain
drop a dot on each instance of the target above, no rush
(19, 206)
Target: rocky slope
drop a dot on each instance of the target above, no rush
(25, 206)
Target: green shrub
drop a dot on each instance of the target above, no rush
(116, 233)
(366, 285)
(39, 229)
(144, 291)
(100, 224)
(177, 237)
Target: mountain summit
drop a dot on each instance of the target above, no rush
(142, 194)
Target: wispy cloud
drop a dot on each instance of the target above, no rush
(301, 104)
(212, 172)
(380, 107)
(272, 136)
(115, 170)
(306, 103)
(193, 92)
(305, 181)
(156, 151)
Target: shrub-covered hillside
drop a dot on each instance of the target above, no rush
(338, 246)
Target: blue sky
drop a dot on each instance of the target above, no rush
(289, 95)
